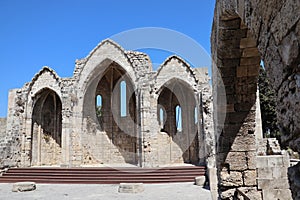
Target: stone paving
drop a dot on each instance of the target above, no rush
(174, 191)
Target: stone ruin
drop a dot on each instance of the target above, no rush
(244, 33)
(59, 121)
(114, 110)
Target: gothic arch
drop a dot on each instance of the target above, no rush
(237, 60)
(98, 60)
(46, 128)
(179, 124)
(101, 74)
(175, 67)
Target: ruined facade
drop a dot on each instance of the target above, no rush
(114, 110)
(80, 121)
(246, 32)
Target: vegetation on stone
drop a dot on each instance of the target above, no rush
(268, 106)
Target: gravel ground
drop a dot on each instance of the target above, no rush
(172, 191)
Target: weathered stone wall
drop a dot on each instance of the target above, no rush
(2, 127)
(236, 140)
(241, 29)
(272, 176)
(272, 166)
(11, 143)
(53, 120)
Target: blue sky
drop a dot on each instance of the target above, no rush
(55, 33)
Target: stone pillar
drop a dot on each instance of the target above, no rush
(258, 127)
(65, 138)
(149, 128)
(39, 145)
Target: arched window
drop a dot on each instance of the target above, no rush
(99, 105)
(161, 117)
(178, 118)
(196, 115)
(99, 100)
(123, 100)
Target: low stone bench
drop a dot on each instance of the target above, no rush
(23, 186)
(131, 187)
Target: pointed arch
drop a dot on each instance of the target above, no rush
(175, 67)
(46, 128)
(178, 101)
(99, 59)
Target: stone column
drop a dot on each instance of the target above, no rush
(65, 138)
(149, 128)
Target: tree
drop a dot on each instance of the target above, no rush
(99, 112)
(268, 106)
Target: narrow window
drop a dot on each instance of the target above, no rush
(178, 118)
(98, 100)
(196, 115)
(161, 117)
(123, 102)
(98, 105)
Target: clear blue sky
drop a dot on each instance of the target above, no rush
(54, 33)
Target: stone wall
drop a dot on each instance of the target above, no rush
(2, 127)
(238, 64)
(272, 167)
(54, 121)
(272, 176)
(245, 32)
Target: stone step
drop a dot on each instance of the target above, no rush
(103, 175)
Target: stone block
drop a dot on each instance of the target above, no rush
(250, 61)
(262, 147)
(273, 147)
(286, 160)
(273, 183)
(265, 173)
(200, 180)
(246, 142)
(23, 186)
(253, 70)
(261, 161)
(234, 178)
(237, 161)
(249, 177)
(247, 42)
(249, 193)
(279, 194)
(250, 52)
(131, 187)
(251, 159)
(279, 172)
(213, 179)
(241, 71)
(275, 161)
(228, 194)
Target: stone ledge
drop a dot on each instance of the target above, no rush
(23, 186)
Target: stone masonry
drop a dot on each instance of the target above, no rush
(246, 32)
(166, 117)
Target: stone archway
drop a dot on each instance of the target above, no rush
(241, 29)
(110, 133)
(237, 59)
(176, 115)
(46, 148)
